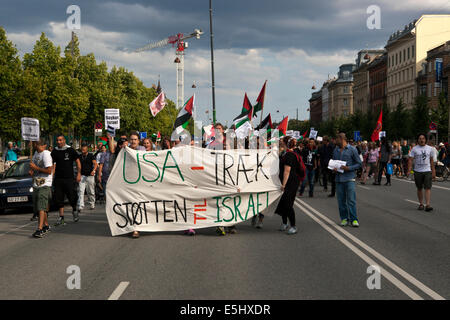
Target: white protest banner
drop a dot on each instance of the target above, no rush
(319, 139)
(296, 135)
(112, 118)
(313, 134)
(289, 133)
(189, 187)
(30, 129)
(381, 134)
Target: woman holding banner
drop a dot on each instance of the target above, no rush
(292, 172)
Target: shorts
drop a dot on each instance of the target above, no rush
(395, 161)
(41, 198)
(422, 180)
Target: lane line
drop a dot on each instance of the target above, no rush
(17, 228)
(400, 285)
(364, 187)
(119, 290)
(433, 186)
(415, 202)
(377, 255)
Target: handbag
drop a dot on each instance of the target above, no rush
(389, 169)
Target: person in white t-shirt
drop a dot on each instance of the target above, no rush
(41, 170)
(424, 171)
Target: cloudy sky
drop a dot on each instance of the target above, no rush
(294, 44)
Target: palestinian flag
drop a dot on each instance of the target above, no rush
(260, 101)
(184, 116)
(266, 124)
(282, 127)
(246, 113)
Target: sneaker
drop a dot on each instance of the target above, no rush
(46, 229)
(91, 208)
(34, 218)
(292, 230)
(344, 223)
(259, 225)
(220, 231)
(428, 208)
(38, 233)
(284, 227)
(75, 214)
(355, 223)
(190, 232)
(60, 221)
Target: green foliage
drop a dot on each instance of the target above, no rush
(68, 92)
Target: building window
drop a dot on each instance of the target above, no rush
(396, 58)
(345, 102)
(346, 89)
(412, 52)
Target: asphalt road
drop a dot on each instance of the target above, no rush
(323, 261)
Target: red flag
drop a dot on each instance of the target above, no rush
(282, 127)
(260, 101)
(304, 135)
(379, 127)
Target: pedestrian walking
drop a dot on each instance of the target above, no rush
(371, 163)
(41, 167)
(64, 157)
(292, 172)
(87, 182)
(309, 157)
(325, 153)
(424, 171)
(385, 158)
(345, 181)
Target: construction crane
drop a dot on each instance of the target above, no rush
(178, 41)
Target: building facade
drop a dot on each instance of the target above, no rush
(433, 79)
(377, 83)
(315, 107)
(340, 93)
(361, 91)
(406, 53)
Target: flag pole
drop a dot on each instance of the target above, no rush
(262, 107)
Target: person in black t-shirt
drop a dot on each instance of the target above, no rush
(88, 169)
(63, 158)
(290, 171)
(325, 153)
(310, 160)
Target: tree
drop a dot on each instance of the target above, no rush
(19, 92)
(440, 116)
(419, 115)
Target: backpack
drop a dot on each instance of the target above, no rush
(301, 169)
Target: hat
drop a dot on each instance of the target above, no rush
(441, 144)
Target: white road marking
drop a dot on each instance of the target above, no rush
(366, 258)
(376, 254)
(415, 202)
(119, 290)
(363, 187)
(17, 228)
(432, 187)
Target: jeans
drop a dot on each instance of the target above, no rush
(87, 183)
(346, 197)
(310, 177)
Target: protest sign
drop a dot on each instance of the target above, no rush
(313, 134)
(189, 187)
(381, 134)
(297, 135)
(30, 129)
(112, 118)
(289, 133)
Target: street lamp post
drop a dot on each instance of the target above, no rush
(212, 62)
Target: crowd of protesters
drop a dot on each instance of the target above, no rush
(82, 176)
